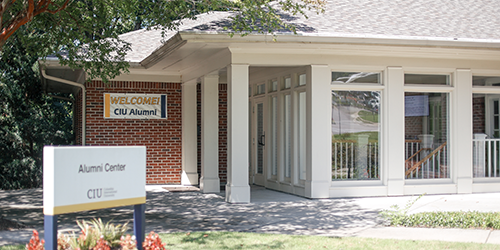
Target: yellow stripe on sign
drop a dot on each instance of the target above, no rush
(107, 105)
(93, 206)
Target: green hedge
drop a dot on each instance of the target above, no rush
(471, 219)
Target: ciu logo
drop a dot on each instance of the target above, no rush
(94, 193)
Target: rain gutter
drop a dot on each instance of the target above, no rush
(82, 87)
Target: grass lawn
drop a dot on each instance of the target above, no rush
(231, 240)
(373, 136)
(368, 116)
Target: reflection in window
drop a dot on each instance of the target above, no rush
(355, 135)
(486, 142)
(287, 134)
(301, 117)
(426, 135)
(302, 79)
(274, 85)
(274, 135)
(355, 77)
(486, 81)
(287, 83)
(261, 89)
(427, 79)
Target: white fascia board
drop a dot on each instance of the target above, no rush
(319, 38)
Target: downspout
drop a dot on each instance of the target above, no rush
(79, 85)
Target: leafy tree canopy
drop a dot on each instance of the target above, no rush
(84, 33)
(28, 119)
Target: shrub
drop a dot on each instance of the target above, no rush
(153, 242)
(472, 219)
(96, 235)
(35, 243)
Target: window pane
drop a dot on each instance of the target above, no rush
(274, 85)
(287, 119)
(274, 135)
(355, 135)
(260, 138)
(261, 89)
(355, 77)
(426, 133)
(485, 81)
(486, 142)
(302, 79)
(427, 79)
(302, 135)
(287, 83)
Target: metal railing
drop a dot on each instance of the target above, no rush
(354, 161)
(486, 158)
(428, 163)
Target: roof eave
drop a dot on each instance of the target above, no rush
(318, 38)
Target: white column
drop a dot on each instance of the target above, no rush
(394, 131)
(209, 181)
(189, 174)
(480, 155)
(237, 188)
(318, 132)
(461, 131)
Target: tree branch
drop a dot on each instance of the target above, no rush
(24, 16)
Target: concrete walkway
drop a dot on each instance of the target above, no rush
(269, 212)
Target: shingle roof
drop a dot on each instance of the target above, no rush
(470, 20)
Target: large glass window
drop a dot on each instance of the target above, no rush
(355, 135)
(355, 77)
(426, 135)
(486, 127)
(287, 134)
(427, 79)
(274, 136)
(301, 134)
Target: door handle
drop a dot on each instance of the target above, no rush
(262, 140)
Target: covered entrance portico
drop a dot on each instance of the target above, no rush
(267, 135)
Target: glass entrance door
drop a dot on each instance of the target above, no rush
(259, 142)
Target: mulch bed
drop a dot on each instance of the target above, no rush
(9, 225)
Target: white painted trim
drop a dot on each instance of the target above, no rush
(393, 131)
(213, 63)
(428, 88)
(485, 90)
(318, 124)
(237, 188)
(461, 130)
(209, 181)
(189, 174)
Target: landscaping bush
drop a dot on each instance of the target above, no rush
(96, 235)
(472, 219)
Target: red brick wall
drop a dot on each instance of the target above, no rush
(77, 118)
(162, 137)
(223, 133)
(478, 114)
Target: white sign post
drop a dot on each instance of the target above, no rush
(88, 178)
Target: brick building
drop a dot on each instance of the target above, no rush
(366, 99)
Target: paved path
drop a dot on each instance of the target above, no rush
(269, 212)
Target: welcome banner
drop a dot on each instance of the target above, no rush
(135, 106)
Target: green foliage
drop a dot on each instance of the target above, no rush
(85, 34)
(95, 230)
(369, 116)
(472, 219)
(461, 219)
(240, 240)
(397, 215)
(28, 119)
